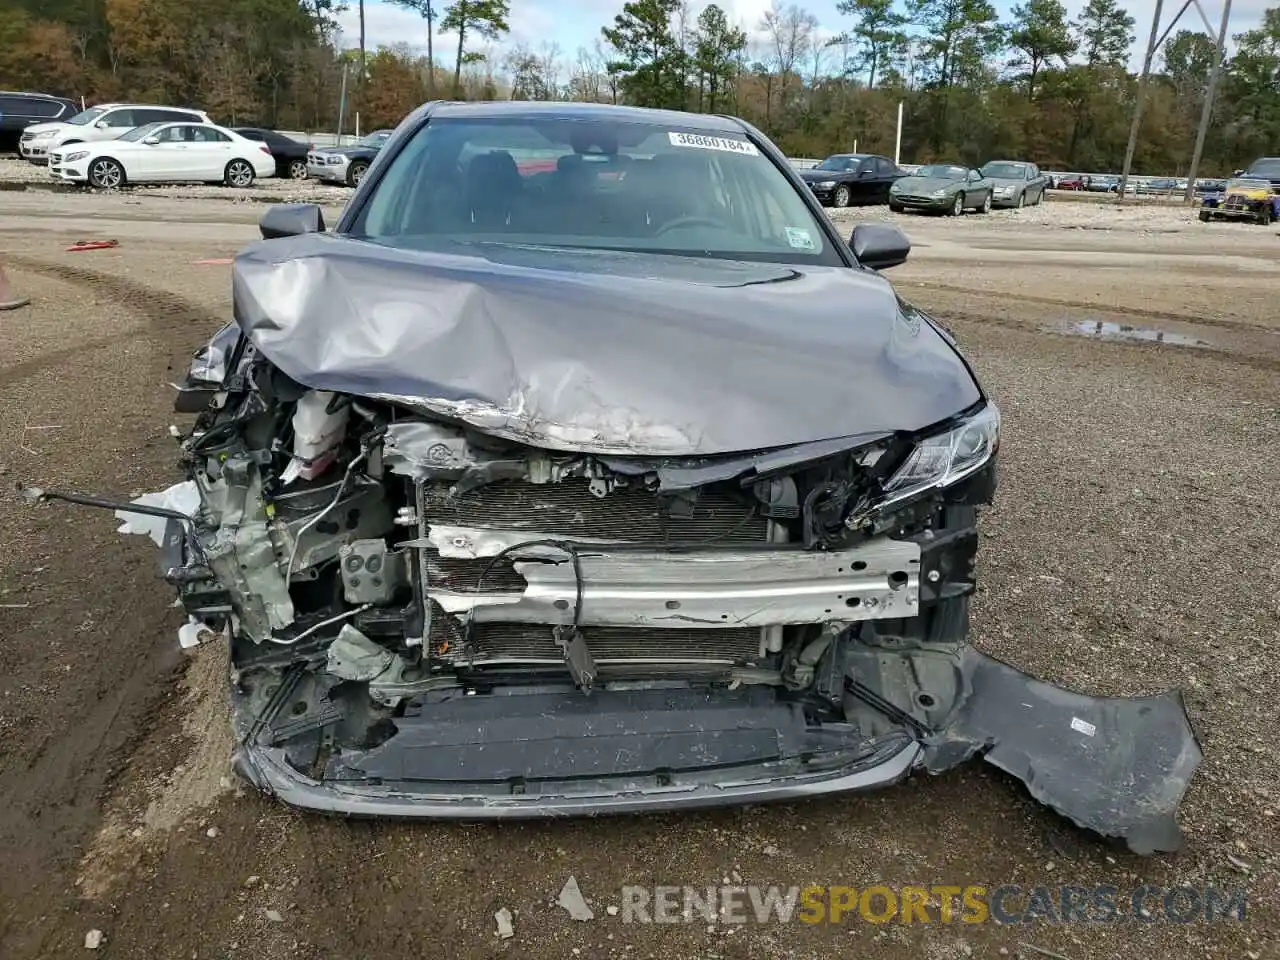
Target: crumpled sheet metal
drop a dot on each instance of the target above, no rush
(1116, 765)
(600, 352)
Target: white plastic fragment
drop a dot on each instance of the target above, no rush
(273, 915)
(183, 497)
(505, 928)
(1083, 726)
(316, 435)
(94, 939)
(193, 633)
(572, 901)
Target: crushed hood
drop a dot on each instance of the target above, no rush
(601, 352)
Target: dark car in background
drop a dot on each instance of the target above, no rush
(852, 178)
(19, 110)
(587, 494)
(1264, 168)
(290, 154)
(346, 164)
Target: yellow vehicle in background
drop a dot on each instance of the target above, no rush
(1243, 198)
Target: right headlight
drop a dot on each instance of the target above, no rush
(940, 193)
(939, 461)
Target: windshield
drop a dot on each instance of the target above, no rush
(1005, 171)
(137, 133)
(591, 184)
(943, 171)
(375, 139)
(87, 116)
(839, 162)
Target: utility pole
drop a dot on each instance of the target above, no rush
(342, 101)
(897, 143)
(1207, 113)
(1142, 96)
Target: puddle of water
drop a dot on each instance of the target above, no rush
(1105, 330)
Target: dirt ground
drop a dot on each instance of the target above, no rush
(1131, 549)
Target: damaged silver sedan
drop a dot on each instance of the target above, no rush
(584, 468)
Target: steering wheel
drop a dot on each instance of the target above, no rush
(690, 221)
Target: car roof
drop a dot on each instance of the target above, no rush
(584, 111)
(41, 96)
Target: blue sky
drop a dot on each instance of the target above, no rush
(575, 23)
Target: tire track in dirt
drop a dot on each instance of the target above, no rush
(1093, 307)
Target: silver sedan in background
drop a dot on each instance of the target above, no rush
(1018, 183)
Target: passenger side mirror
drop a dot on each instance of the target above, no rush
(291, 220)
(878, 246)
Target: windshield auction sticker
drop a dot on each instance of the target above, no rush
(701, 142)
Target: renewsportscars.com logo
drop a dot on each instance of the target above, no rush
(1007, 904)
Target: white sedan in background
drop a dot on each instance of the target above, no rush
(164, 153)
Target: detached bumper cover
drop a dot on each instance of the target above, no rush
(1116, 766)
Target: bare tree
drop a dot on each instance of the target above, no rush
(788, 34)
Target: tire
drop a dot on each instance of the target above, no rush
(355, 173)
(1022, 199)
(957, 208)
(986, 204)
(1204, 216)
(106, 174)
(239, 173)
(841, 196)
(297, 170)
(896, 208)
(1264, 216)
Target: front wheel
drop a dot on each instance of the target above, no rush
(298, 170)
(1022, 200)
(1204, 216)
(896, 207)
(986, 204)
(239, 173)
(106, 174)
(1264, 216)
(356, 173)
(841, 197)
(957, 208)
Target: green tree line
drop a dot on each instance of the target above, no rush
(973, 85)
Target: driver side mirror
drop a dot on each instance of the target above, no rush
(878, 246)
(101, 124)
(151, 141)
(291, 220)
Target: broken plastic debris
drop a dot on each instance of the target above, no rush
(505, 929)
(572, 901)
(94, 939)
(193, 633)
(353, 656)
(273, 915)
(183, 497)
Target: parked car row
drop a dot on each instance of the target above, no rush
(114, 144)
(858, 178)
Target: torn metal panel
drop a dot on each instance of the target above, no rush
(1116, 765)
(241, 553)
(714, 589)
(580, 351)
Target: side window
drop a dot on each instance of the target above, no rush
(1033, 172)
(13, 107)
(169, 134)
(207, 135)
(867, 167)
(250, 134)
(120, 119)
(886, 167)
